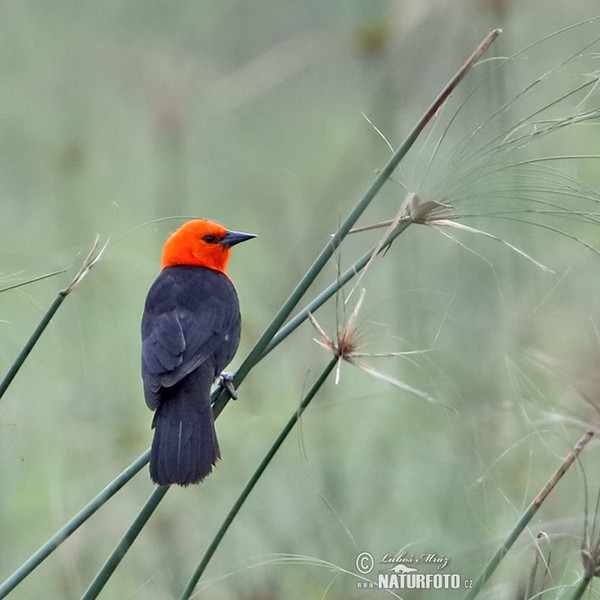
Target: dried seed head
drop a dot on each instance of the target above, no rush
(591, 561)
(346, 343)
(415, 210)
(346, 346)
(425, 212)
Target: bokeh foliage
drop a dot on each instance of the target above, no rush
(118, 115)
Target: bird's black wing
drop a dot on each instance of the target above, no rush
(191, 316)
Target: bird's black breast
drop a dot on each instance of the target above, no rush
(191, 317)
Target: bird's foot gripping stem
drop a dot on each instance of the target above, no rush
(226, 381)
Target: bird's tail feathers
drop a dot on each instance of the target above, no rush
(185, 446)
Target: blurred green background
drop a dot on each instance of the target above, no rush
(125, 118)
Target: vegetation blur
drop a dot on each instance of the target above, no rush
(123, 119)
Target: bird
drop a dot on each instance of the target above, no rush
(190, 332)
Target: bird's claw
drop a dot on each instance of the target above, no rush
(226, 381)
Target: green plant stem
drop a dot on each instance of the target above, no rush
(581, 587)
(32, 280)
(60, 536)
(528, 515)
(90, 260)
(221, 398)
(31, 342)
(123, 546)
(255, 477)
(335, 286)
(575, 592)
(124, 477)
(262, 344)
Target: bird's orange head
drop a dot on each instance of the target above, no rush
(201, 243)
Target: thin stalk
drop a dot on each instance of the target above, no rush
(51, 545)
(532, 574)
(259, 348)
(334, 287)
(535, 567)
(90, 260)
(123, 546)
(528, 515)
(32, 280)
(576, 592)
(255, 477)
(36, 559)
(155, 498)
(83, 515)
(220, 398)
(31, 342)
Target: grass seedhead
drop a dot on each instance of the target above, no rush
(93, 256)
(590, 557)
(345, 348)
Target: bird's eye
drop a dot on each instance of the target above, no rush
(211, 239)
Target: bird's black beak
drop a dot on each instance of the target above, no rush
(235, 237)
